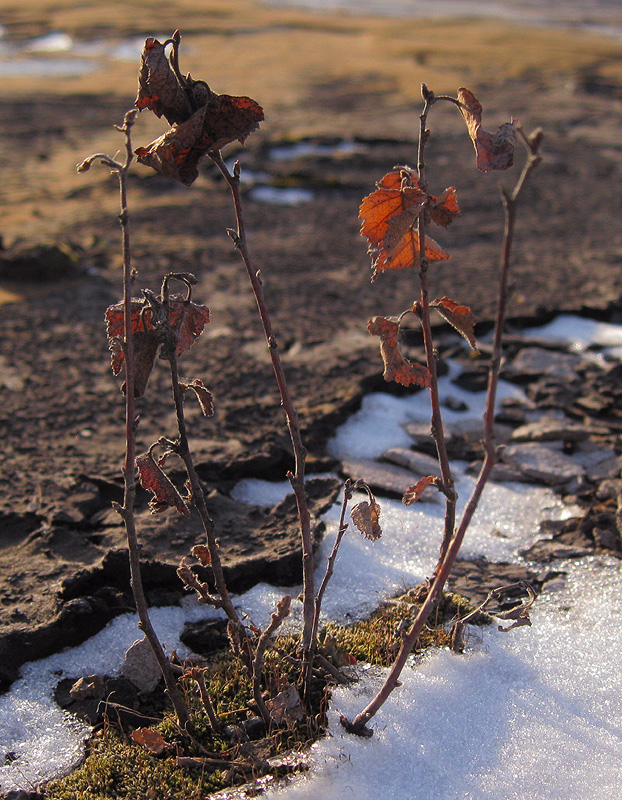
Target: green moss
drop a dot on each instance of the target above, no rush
(117, 768)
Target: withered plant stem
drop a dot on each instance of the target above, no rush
(129, 469)
(182, 448)
(438, 432)
(330, 564)
(276, 620)
(297, 477)
(510, 204)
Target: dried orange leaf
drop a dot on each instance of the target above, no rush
(445, 209)
(460, 317)
(154, 480)
(387, 219)
(493, 150)
(366, 515)
(396, 367)
(397, 193)
(414, 492)
(151, 740)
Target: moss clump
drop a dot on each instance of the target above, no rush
(377, 639)
(118, 768)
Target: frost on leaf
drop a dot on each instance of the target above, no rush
(493, 150)
(146, 341)
(396, 367)
(459, 317)
(186, 318)
(413, 494)
(201, 119)
(201, 553)
(388, 217)
(366, 515)
(204, 396)
(154, 480)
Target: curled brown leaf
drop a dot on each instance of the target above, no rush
(459, 317)
(154, 480)
(201, 119)
(413, 493)
(494, 151)
(396, 367)
(366, 516)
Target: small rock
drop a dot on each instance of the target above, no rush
(534, 362)
(600, 462)
(205, 636)
(473, 380)
(454, 404)
(543, 464)
(605, 538)
(235, 734)
(255, 727)
(549, 429)
(141, 667)
(609, 489)
(419, 463)
(384, 479)
(550, 550)
(88, 688)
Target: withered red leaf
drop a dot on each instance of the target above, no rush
(146, 341)
(202, 120)
(396, 367)
(460, 317)
(201, 553)
(493, 150)
(366, 515)
(188, 319)
(159, 89)
(154, 480)
(413, 493)
(204, 396)
(151, 740)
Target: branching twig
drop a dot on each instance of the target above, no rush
(297, 477)
(126, 511)
(438, 432)
(452, 547)
(276, 620)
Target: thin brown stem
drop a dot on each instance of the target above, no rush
(126, 511)
(182, 448)
(438, 432)
(276, 620)
(434, 594)
(297, 477)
